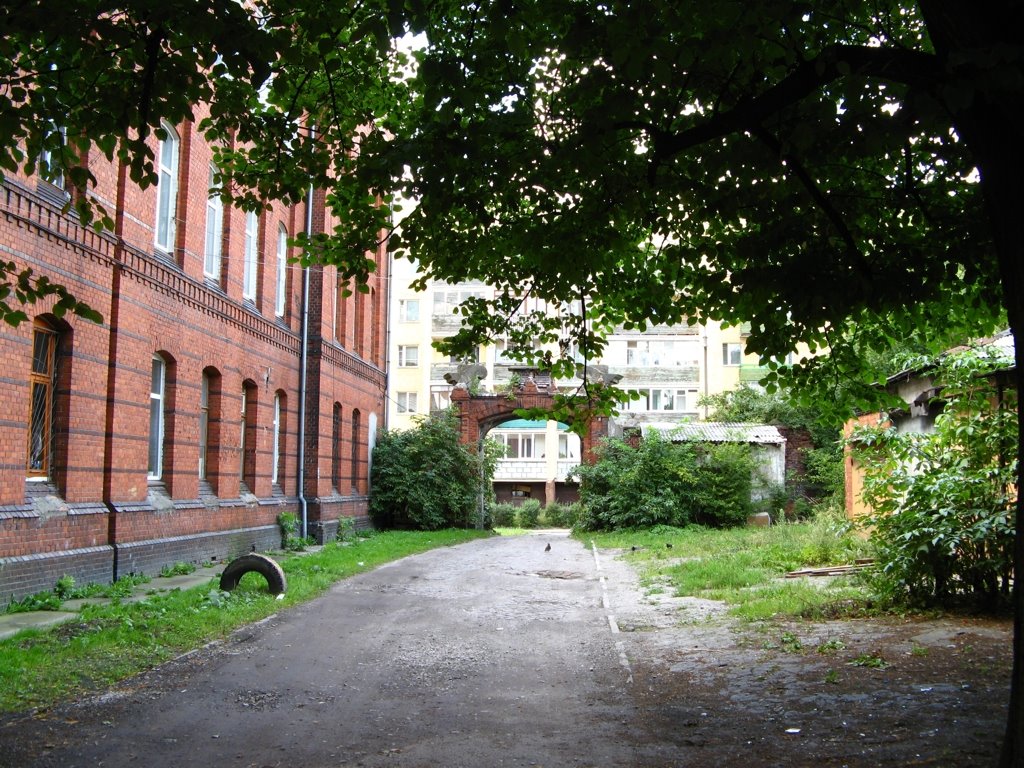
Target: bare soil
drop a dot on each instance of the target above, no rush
(883, 691)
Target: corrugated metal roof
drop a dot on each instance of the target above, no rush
(716, 432)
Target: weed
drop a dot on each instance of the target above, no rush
(791, 643)
(870, 660)
(832, 677)
(178, 569)
(831, 647)
(918, 650)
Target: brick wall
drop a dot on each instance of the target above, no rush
(162, 304)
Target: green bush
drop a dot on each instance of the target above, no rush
(528, 514)
(942, 502)
(424, 479)
(665, 483)
(555, 514)
(503, 515)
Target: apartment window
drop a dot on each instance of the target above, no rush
(409, 310)
(166, 188)
(568, 446)
(408, 356)
(472, 357)
(674, 400)
(520, 445)
(440, 398)
(214, 230)
(447, 300)
(653, 353)
(158, 382)
(732, 354)
(281, 302)
(407, 402)
(336, 448)
(42, 382)
(250, 260)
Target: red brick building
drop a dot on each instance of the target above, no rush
(180, 427)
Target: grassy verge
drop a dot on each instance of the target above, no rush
(744, 567)
(108, 643)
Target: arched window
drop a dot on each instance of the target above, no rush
(281, 301)
(209, 429)
(356, 429)
(280, 426)
(157, 394)
(214, 230)
(250, 264)
(167, 188)
(247, 437)
(42, 386)
(358, 322)
(336, 448)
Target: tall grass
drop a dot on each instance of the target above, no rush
(745, 567)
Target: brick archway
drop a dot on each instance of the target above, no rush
(478, 414)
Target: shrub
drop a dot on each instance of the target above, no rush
(555, 515)
(664, 483)
(424, 479)
(942, 502)
(503, 515)
(528, 514)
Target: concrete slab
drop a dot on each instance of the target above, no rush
(13, 623)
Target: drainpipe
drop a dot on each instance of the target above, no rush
(303, 365)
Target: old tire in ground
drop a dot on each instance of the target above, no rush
(261, 564)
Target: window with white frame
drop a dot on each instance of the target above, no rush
(568, 445)
(250, 263)
(447, 299)
(158, 375)
(49, 166)
(673, 400)
(650, 353)
(520, 445)
(440, 397)
(166, 188)
(409, 310)
(732, 353)
(281, 302)
(214, 230)
(407, 402)
(276, 453)
(408, 356)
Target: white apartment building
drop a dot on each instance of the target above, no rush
(669, 367)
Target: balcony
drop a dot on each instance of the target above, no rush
(752, 374)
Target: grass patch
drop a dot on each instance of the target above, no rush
(744, 566)
(108, 643)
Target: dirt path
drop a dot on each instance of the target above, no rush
(498, 653)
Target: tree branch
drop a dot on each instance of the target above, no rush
(833, 63)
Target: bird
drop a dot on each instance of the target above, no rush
(548, 547)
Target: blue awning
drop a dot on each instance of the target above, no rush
(524, 424)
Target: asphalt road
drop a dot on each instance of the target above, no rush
(492, 653)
